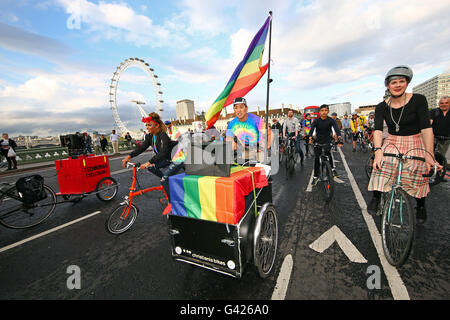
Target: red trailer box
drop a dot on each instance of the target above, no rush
(81, 175)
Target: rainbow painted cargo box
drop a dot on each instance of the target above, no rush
(224, 223)
(86, 174)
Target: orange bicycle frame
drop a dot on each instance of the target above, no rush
(134, 193)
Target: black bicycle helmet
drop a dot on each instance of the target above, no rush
(399, 71)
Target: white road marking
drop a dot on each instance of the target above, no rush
(309, 187)
(121, 171)
(338, 180)
(47, 232)
(398, 288)
(335, 234)
(284, 276)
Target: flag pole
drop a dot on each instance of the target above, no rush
(268, 84)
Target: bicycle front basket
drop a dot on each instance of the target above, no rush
(31, 189)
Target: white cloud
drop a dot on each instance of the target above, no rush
(346, 41)
(118, 21)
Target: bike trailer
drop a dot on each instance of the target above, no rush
(81, 175)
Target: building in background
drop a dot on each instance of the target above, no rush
(433, 89)
(365, 110)
(341, 108)
(185, 109)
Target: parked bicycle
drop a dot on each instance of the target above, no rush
(19, 210)
(398, 218)
(123, 217)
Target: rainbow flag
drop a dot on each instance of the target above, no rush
(244, 78)
(220, 199)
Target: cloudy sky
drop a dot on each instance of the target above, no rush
(57, 56)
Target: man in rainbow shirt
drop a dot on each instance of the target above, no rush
(246, 131)
(306, 124)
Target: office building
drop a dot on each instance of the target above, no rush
(185, 109)
(434, 88)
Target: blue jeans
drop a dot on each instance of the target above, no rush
(171, 168)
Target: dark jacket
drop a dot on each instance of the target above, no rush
(162, 145)
(11, 143)
(104, 143)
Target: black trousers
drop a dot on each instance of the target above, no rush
(317, 154)
(11, 160)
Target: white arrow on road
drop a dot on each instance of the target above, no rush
(335, 234)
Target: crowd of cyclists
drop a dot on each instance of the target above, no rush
(390, 124)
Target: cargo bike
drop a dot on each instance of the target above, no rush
(220, 217)
(204, 233)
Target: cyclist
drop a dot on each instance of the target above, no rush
(408, 121)
(172, 131)
(161, 163)
(357, 126)
(306, 124)
(248, 130)
(291, 128)
(440, 121)
(346, 126)
(370, 126)
(323, 128)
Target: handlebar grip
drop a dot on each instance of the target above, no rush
(431, 173)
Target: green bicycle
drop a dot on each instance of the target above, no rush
(398, 218)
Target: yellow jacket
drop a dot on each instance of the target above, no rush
(360, 121)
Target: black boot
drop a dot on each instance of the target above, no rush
(421, 215)
(372, 208)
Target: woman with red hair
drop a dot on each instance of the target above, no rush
(162, 145)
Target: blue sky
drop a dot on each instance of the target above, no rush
(57, 56)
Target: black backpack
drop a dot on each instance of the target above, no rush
(31, 189)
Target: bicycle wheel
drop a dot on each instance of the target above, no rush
(368, 167)
(121, 219)
(440, 174)
(397, 227)
(287, 160)
(265, 241)
(327, 181)
(17, 215)
(364, 146)
(106, 189)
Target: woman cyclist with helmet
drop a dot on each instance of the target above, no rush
(408, 122)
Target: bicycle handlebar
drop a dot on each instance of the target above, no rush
(132, 164)
(401, 156)
(441, 138)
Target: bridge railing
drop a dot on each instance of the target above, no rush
(36, 155)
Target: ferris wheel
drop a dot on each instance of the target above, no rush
(127, 63)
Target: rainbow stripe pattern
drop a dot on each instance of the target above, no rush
(244, 78)
(220, 199)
